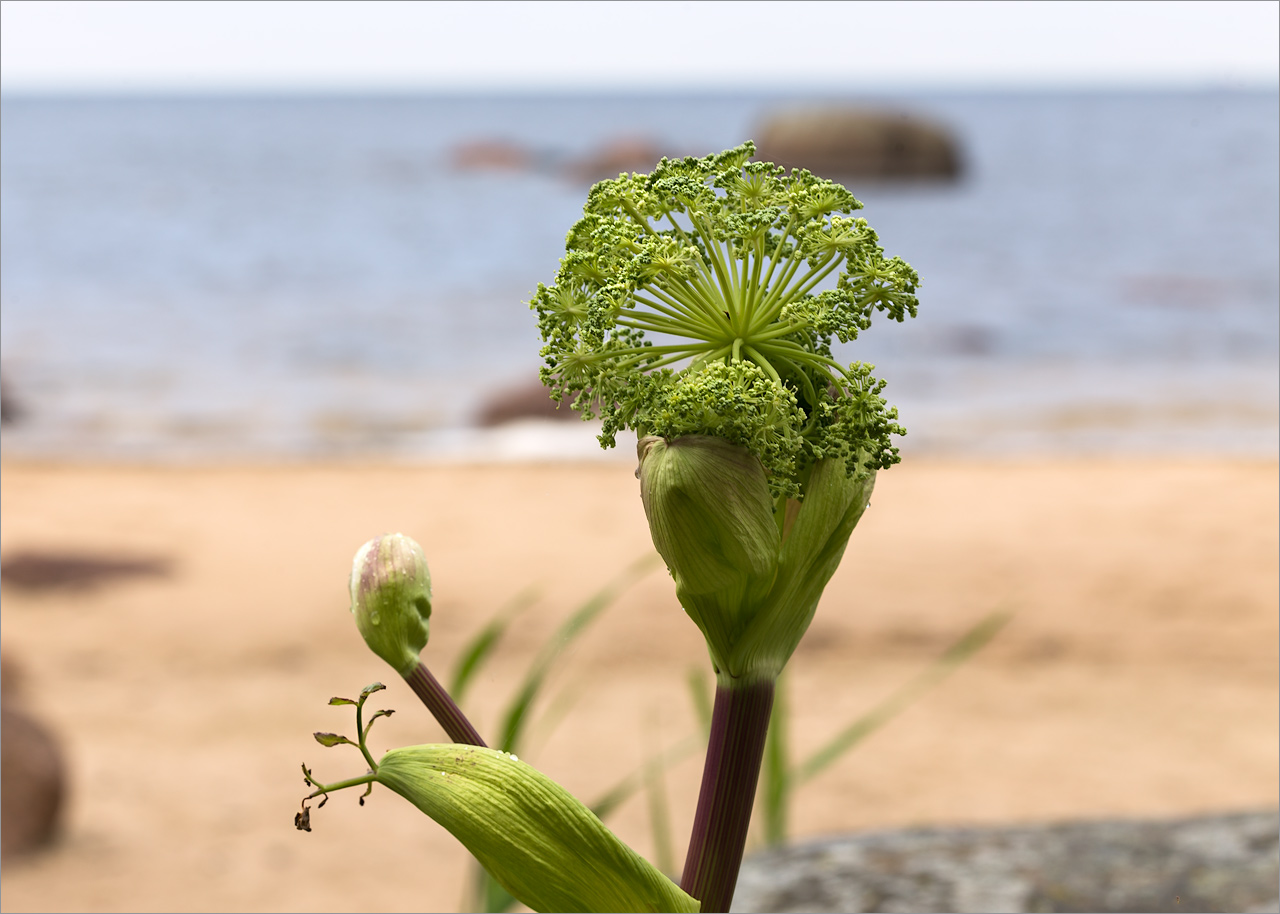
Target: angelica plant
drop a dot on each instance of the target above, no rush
(697, 306)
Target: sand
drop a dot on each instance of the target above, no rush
(1138, 677)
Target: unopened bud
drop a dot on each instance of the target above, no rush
(391, 599)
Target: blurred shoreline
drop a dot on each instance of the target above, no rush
(320, 277)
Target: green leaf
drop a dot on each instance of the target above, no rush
(341, 701)
(477, 652)
(329, 740)
(544, 847)
(371, 688)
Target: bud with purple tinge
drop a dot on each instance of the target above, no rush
(391, 599)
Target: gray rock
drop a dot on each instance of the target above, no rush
(1211, 863)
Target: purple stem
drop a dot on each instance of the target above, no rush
(739, 725)
(442, 706)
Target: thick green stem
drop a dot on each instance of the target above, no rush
(739, 726)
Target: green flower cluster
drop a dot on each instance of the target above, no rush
(720, 260)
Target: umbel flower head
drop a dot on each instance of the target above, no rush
(704, 298)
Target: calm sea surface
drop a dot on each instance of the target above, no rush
(300, 277)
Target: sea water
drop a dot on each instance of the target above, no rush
(313, 277)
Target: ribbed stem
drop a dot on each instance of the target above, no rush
(739, 726)
(442, 706)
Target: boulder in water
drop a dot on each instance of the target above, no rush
(529, 400)
(845, 142)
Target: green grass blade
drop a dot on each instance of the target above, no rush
(622, 791)
(700, 693)
(969, 643)
(517, 712)
(484, 893)
(482, 645)
(540, 731)
(775, 786)
(659, 812)
(497, 900)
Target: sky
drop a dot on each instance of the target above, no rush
(371, 45)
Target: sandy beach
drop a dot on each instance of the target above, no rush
(1137, 678)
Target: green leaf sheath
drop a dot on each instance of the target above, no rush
(748, 572)
(544, 846)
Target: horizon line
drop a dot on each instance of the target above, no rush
(122, 91)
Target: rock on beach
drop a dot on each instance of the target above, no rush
(32, 778)
(1205, 863)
